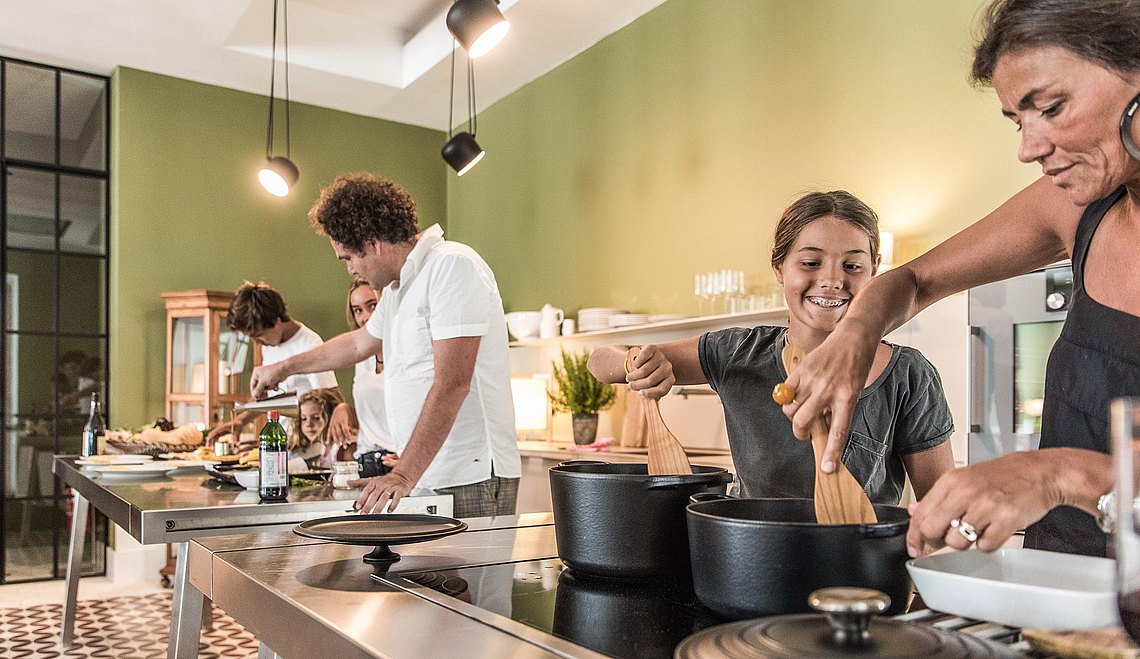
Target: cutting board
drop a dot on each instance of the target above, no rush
(633, 423)
(1104, 643)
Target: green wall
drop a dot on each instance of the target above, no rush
(188, 211)
(671, 147)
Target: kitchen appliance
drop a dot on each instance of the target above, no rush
(619, 618)
(757, 557)
(617, 521)
(1013, 325)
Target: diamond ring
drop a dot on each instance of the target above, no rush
(965, 528)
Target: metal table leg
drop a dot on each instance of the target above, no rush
(264, 652)
(185, 611)
(74, 559)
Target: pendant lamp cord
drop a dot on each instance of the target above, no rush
(472, 124)
(451, 96)
(273, 82)
(471, 120)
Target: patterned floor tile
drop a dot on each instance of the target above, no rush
(134, 627)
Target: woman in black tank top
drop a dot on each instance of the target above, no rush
(1068, 75)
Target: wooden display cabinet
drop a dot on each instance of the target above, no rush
(207, 365)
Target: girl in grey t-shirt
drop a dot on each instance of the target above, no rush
(826, 249)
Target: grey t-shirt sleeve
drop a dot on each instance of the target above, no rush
(925, 420)
(716, 350)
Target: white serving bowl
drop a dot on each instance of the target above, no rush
(250, 479)
(524, 324)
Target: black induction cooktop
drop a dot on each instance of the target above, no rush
(617, 618)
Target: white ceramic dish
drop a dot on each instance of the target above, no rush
(103, 460)
(523, 324)
(250, 479)
(1020, 587)
(145, 470)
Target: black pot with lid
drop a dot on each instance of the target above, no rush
(846, 628)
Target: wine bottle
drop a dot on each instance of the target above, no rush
(95, 430)
(274, 460)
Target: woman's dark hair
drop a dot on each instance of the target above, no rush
(839, 204)
(357, 209)
(357, 282)
(1103, 31)
(256, 308)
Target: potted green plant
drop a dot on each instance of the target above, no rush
(581, 394)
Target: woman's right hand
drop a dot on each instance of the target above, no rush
(827, 385)
(343, 425)
(650, 373)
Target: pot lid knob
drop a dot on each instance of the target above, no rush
(849, 612)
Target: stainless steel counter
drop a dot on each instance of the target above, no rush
(189, 505)
(306, 598)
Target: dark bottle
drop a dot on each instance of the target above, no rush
(274, 460)
(95, 430)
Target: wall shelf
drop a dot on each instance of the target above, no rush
(689, 326)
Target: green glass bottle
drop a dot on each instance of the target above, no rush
(274, 460)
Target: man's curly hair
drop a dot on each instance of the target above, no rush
(357, 209)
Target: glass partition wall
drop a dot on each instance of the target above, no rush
(54, 153)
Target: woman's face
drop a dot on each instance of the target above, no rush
(827, 264)
(1068, 111)
(313, 421)
(362, 301)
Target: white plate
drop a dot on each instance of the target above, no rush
(191, 464)
(97, 460)
(135, 470)
(1020, 587)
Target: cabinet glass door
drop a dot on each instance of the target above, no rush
(188, 359)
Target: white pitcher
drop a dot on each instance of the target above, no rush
(552, 318)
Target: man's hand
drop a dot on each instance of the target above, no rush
(344, 427)
(378, 490)
(265, 378)
(219, 430)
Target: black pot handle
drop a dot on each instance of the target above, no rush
(571, 463)
(674, 482)
(700, 497)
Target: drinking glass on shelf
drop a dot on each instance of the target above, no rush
(699, 292)
(1124, 430)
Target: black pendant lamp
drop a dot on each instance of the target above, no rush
(462, 152)
(278, 174)
(478, 25)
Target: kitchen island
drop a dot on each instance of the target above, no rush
(496, 590)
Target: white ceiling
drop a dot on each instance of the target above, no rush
(379, 58)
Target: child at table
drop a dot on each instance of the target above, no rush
(309, 439)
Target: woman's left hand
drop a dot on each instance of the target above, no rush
(992, 499)
(389, 460)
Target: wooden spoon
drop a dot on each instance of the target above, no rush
(666, 455)
(839, 498)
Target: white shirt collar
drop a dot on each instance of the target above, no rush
(427, 241)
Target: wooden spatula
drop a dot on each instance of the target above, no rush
(666, 455)
(839, 499)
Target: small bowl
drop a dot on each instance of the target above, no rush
(250, 479)
(524, 324)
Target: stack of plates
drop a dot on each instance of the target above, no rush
(627, 319)
(667, 317)
(592, 319)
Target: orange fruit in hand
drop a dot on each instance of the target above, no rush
(783, 393)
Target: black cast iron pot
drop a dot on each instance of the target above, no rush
(761, 557)
(617, 521)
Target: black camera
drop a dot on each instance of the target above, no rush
(371, 463)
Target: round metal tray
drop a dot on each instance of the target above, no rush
(380, 531)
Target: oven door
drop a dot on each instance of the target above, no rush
(1013, 325)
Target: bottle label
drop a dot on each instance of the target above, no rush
(274, 468)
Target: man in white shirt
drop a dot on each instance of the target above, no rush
(441, 328)
(259, 312)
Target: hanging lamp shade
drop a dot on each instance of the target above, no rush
(478, 25)
(278, 175)
(462, 152)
